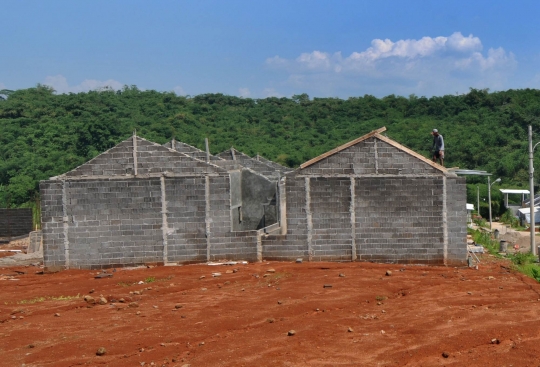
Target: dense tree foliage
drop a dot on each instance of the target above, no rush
(43, 134)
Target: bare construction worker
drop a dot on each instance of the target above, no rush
(438, 147)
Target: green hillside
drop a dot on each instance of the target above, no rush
(43, 134)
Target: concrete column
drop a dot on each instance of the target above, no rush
(164, 223)
(282, 205)
(259, 245)
(376, 157)
(352, 210)
(65, 220)
(445, 223)
(309, 218)
(135, 154)
(207, 150)
(208, 218)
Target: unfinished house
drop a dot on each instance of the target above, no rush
(372, 199)
(141, 202)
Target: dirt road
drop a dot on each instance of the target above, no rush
(485, 317)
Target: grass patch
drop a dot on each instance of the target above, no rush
(154, 279)
(484, 239)
(525, 263)
(531, 270)
(150, 280)
(47, 298)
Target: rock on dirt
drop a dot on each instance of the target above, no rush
(101, 351)
(291, 333)
(388, 273)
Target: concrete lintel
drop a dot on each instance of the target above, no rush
(129, 177)
(373, 175)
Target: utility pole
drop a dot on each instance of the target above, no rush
(489, 203)
(478, 199)
(531, 189)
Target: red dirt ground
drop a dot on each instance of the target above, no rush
(21, 245)
(409, 318)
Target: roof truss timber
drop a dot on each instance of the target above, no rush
(376, 134)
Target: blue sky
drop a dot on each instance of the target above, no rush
(267, 48)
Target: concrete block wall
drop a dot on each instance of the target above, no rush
(190, 150)
(186, 219)
(357, 159)
(251, 163)
(370, 201)
(153, 158)
(52, 224)
(382, 204)
(294, 244)
(114, 222)
(330, 207)
(371, 156)
(456, 199)
(393, 161)
(282, 169)
(117, 161)
(15, 222)
(399, 219)
(223, 242)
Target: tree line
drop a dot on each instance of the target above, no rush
(44, 134)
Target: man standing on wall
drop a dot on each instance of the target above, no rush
(438, 147)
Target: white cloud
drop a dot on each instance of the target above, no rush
(459, 43)
(270, 92)
(60, 84)
(435, 65)
(179, 91)
(244, 92)
(316, 60)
